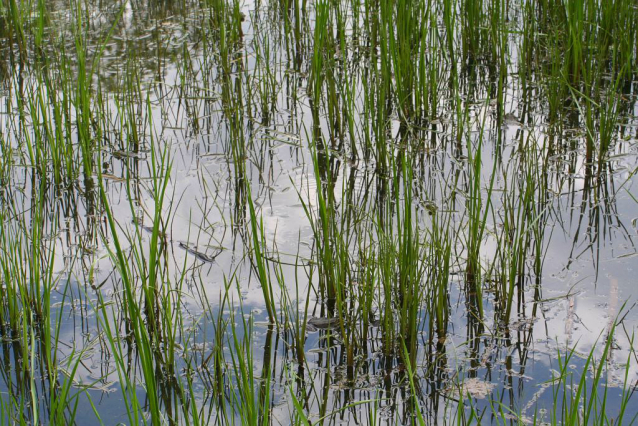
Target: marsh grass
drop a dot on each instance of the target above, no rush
(446, 145)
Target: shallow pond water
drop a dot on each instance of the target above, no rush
(316, 212)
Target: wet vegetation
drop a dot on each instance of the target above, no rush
(318, 212)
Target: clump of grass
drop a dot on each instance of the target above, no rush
(260, 262)
(478, 205)
(29, 324)
(331, 253)
(402, 266)
(150, 303)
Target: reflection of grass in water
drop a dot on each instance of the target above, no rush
(575, 398)
(414, 177)
(581, 397)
